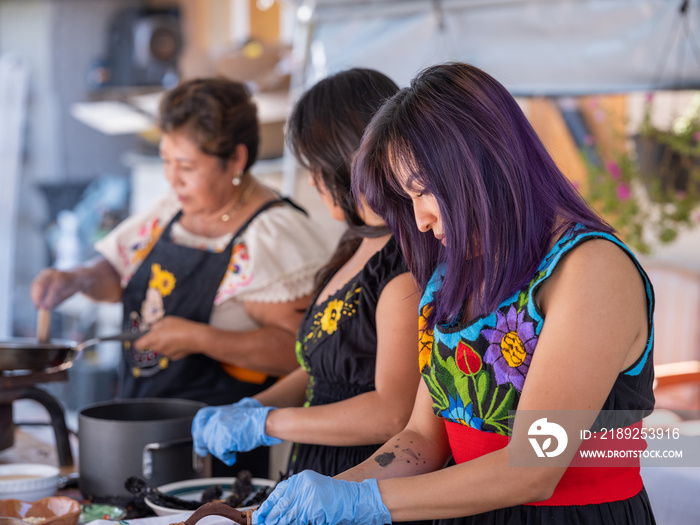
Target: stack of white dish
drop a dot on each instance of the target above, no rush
(28, 481)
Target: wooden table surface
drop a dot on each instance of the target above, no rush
(31, 446)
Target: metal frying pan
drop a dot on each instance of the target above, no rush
(58, 354)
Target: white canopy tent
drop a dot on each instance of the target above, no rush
(534, 47)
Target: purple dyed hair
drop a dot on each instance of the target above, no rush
(463, 138)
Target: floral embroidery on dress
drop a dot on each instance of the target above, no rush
(425, 338)
(476, 371)
(462, 389)
(512, 342)
(326, 321)
(161, 280)
(132, 255)
(475, 374)
(147, 237)
(298, 350)
(457, 412)
(238, 273)
(329, 319)
(309, 395)
(468, 361)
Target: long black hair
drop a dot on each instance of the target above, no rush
(324, 131)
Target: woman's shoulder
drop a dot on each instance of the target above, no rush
(285, 227)
(160, 211)
(128, 243)
(382, 268)
(598, 255)
(583, 254)
(590, 247)
(387, 262)
(283, 249)
(598, 267)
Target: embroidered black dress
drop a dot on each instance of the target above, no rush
(337, 345)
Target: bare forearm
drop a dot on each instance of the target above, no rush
(470, 488)
(287, 392)
(415, 486)
(268, 349)
(99, 281)
(366, 419)
(408, 453)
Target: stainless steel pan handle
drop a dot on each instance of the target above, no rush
(123, 336)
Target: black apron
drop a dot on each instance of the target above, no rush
(180, 281)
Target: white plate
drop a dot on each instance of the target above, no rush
(192, 490)
(28, 481)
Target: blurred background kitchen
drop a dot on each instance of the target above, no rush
(83, 79)
(80, 81)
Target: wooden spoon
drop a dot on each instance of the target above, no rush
(43, 325)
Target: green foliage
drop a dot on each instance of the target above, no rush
(650, 193)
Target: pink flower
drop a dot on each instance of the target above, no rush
(589, 140)
(696, 136)
(649, 97)
(614, 170)
(623, 191)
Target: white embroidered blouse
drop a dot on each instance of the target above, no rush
(274, 260)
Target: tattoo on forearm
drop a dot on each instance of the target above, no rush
(410, 453)
(385, 459)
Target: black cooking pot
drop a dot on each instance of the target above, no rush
(149, 438)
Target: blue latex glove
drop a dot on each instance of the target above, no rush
(310, 497)
(224, 430)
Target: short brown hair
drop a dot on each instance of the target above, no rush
(217, 113)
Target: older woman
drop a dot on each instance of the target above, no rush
(219, 272)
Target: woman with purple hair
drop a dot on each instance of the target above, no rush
(536, 328)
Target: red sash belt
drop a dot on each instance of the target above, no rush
(581, 483)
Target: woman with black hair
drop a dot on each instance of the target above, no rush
(357, 341)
